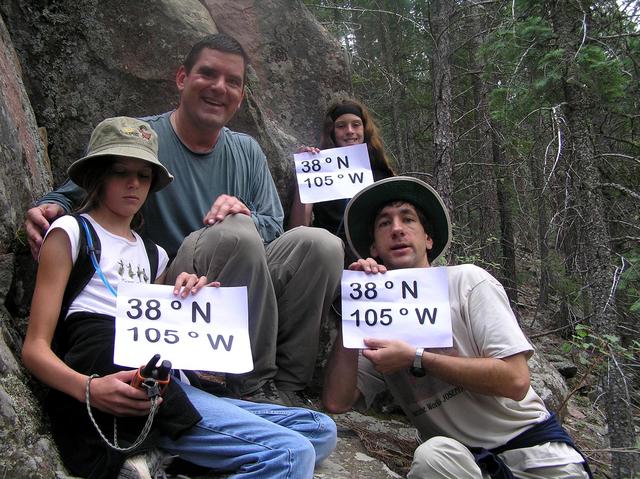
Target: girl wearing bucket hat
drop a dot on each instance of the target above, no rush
(347, 122)
(119, 170)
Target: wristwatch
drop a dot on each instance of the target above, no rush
(416, 368)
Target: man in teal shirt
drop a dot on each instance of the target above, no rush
(222, 181)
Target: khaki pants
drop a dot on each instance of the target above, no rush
(291, 284)
(446, 458)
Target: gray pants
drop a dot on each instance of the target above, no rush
(445, 458)
(291, 284)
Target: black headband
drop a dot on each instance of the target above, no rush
(344, 109)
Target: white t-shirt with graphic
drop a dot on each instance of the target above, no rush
(121, 260)
(484, 326)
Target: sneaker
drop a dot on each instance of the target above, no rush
(297, 399)
(147, 465)
(135, 467)
(267, 393)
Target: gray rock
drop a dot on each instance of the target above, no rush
(26, 449)
(548, 383)
(84, 61)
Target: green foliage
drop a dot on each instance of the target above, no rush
(592, 349)
(527, 70)
(601, 74)
(550, 67)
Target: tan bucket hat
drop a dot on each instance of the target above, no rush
(359, 213)
(122, 136)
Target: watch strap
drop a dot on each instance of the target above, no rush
(417, 360)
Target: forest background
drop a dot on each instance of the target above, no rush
(524, 115)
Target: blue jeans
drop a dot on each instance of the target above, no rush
(253, 440)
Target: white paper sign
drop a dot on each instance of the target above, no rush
(333, 174)
(408, 304)
(207, 331)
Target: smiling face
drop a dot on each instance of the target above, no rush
(348, 130)
(211, 92)
(126, 186)
(399, 239)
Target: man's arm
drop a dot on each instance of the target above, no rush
(49, 207)
(255, 193)
(264, 202)
(299, 214)
(340, 391)
(69, 196)
(505, 377)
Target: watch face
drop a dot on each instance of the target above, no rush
(417, 372)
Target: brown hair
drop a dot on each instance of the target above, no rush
(372, 138)
(95, 176)
(217, 41)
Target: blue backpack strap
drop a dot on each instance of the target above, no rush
(83, 269)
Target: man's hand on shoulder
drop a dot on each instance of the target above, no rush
(37, 223)
(369, 266)
(223, 206)
(389, 355)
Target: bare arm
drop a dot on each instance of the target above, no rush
(505, 377)
(340, 390)
(300, 214)
(111, 393)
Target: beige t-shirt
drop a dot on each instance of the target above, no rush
(483, 326)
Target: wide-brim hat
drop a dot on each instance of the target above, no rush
(360, 213)
(122, 136)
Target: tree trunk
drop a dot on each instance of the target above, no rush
(442, 11)
(507, 237)
(569, 19)
(542, 225)
(396, 82)
(485, 183)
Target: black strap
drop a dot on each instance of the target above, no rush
(81, 273)
(83, 270)
(152, 255)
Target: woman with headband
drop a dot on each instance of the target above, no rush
(346, 123)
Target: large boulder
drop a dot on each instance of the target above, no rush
(92, 59)
(76, 63)
(24, 170)
(548, 383)
(26, 450)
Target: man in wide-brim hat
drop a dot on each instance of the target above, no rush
(472, 404)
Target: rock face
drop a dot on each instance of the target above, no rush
(548, 383)
(25, 449)
(76, 63)
(94, 59)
